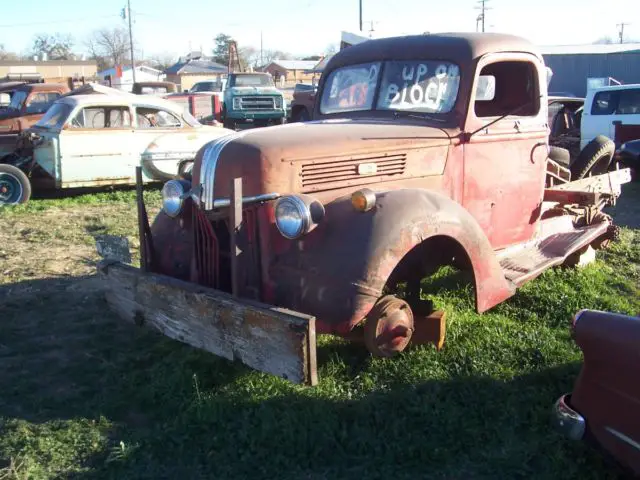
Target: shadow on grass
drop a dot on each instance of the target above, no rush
(183, 413)
(53, 194)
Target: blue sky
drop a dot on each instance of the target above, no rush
(306, 27)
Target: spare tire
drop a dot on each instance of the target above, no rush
(560, 156)
(15, 187)
(595, 158)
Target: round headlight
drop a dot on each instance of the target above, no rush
(292, 217)
(172, 197)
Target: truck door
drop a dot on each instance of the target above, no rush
(505, 163)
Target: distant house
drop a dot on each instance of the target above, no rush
(291, 71)
(194, 68)
(46, 70)
(121, 77)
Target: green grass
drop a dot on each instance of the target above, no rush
(84, 395)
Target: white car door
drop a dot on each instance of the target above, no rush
(96, 147)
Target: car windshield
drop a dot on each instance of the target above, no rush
(17, 100)
(422, 86)
(253, 81)
(55, 116)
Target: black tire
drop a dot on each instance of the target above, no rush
(230, 124)
(595, 158)
(15, 187)
(560, 156)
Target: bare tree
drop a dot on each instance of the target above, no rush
(5, 55)
(57, 46)
(331, 49)
(108, 47)
(607, 40)
(271, 55)
(161, 61)
(249, 56)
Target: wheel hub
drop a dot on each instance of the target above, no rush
(388, 327)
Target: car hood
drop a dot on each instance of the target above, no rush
(255, 91)
(271, 158)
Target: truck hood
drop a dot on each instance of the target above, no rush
(255, 91)
(274, 159)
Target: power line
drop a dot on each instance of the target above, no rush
(54, 22)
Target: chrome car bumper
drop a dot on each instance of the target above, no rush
(567, 421)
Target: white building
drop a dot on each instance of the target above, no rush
(125, 80)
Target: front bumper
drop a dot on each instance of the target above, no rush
(567, 421)
(261, 115)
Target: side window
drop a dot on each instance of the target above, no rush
(629, 102)
(102, 117)
(604, 103)
(40, 102)
(506, 87)
(156, 118)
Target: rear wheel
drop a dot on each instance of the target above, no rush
(302, 115)
(15, 187)
(594, 159)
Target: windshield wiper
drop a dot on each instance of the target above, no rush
(466, 136)
(423, 116)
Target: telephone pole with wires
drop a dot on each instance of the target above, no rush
(483, 8)
(126, 15)
(621, 31)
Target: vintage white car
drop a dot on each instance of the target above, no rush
(97, 138)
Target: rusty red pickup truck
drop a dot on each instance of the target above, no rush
(423, 151)
(29, 102)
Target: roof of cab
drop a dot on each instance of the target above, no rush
(460, 48)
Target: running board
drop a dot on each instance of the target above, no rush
(524, 263)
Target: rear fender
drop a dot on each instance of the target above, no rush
(338, 271)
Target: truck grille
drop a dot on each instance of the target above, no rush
(206, 250)
(257, 103)
(335, 173)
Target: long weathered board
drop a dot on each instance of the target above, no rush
(269, 339)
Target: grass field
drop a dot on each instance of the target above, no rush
(84, 395)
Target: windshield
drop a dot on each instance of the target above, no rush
(207, 87)
(17, 100)
(415, 86)
(253, 81)
(55, 116)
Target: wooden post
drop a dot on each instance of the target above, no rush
(235, 220)
(142, 219)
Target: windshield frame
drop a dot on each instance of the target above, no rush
(374, 110)
(18, 94)
(55, 106)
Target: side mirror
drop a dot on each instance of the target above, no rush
(486, 89)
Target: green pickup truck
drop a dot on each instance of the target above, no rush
(252, 97)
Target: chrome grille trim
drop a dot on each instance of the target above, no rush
(209, 163)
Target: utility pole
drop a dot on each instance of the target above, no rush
(483, 7)
(360, 15)
(621, 32)
(126, 13)
(261, 58)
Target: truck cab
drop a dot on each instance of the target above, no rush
(29, 103)
(423, 151)
(252, 97)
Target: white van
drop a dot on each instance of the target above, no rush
(605, 105)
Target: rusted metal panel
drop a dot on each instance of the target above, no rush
(272, 340)
(607, 391)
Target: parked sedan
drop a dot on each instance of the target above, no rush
(87, 140)
(604, 407)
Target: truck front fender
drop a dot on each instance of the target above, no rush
(340, 269)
